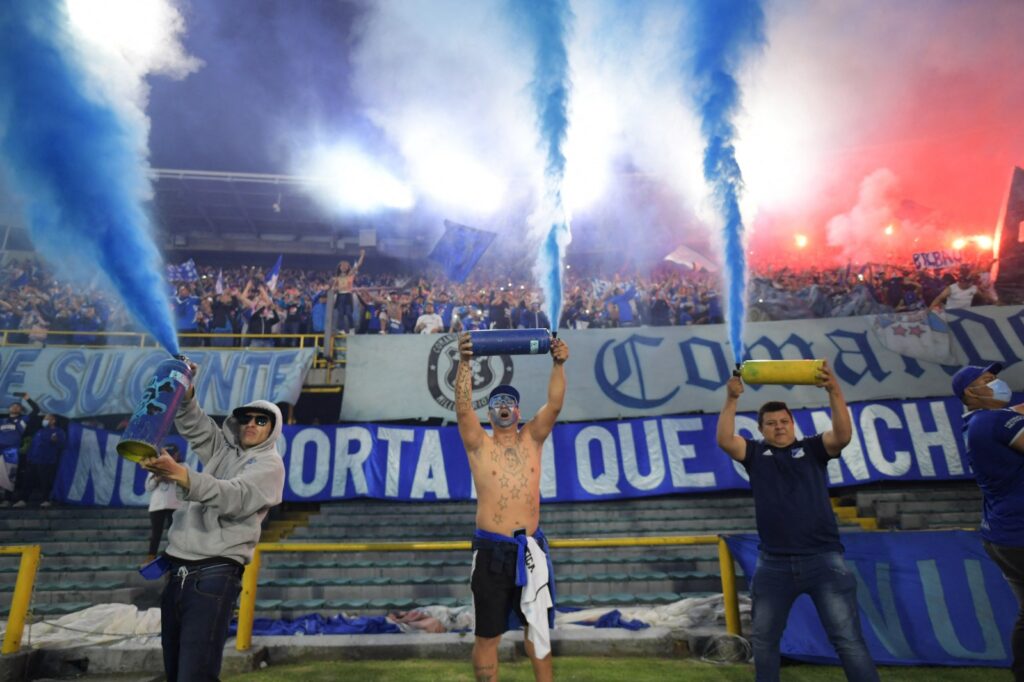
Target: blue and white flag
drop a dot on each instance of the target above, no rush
(186, 272)
(459, 249)
(920, 334)
(218, 288)
(274, 273)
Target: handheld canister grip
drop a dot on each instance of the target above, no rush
(511, 341)
(801, 372)
(154, 416)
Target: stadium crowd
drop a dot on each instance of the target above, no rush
(241, 300)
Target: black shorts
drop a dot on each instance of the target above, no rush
(495, 594)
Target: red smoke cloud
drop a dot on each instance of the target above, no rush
(914, 115)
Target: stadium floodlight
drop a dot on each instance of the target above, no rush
(346, 179)
(452, 177)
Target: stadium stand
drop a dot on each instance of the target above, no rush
(91, 555)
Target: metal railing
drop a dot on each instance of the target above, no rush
(22, 594)
(250, 579)
(332, 354)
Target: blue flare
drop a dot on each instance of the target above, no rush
(725, 32)
(547, 24)
(76, 164)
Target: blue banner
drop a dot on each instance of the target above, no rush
(893, 440)
(79, 382)
(932, 598)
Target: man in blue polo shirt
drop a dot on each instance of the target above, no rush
(994, 437)
(800, 548)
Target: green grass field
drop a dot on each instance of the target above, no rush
(595, 670)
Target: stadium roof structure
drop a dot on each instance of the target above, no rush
(253, 212)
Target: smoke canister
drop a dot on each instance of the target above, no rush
(781, 371)
(511, 341)
(154, 416)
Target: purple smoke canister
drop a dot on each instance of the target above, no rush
(511, 341)
(154, 416)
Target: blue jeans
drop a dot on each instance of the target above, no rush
(195, 611)
(778, 581)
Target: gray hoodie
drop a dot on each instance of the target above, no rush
(226, 502)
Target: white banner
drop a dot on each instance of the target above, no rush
(78, 382)
(643, 371)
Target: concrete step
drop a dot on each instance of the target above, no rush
(673, 503)
(50, 536)
(428, 567)
(446, 534)
(276, 608)
(550, 515)
(34, 523)
(946, 520)
(457, 586)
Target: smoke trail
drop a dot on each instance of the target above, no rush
(724, 31)
(547, 25)
(78, 159)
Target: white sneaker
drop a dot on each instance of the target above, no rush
(45, 504)
(20, 504)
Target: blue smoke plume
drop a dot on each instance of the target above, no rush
(723, 34)
(547, 24)
(76, 164)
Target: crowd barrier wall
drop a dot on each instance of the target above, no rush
(647, 371)
(925, 598)
(912, 440)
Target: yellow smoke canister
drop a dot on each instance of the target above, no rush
(804, 372)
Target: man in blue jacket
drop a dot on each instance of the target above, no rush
(42, 460)
(994, 439)
(12, 430)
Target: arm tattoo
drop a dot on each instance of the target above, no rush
(464, 387)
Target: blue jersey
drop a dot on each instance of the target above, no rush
(791, 502)
(11, 431)
(999, 471)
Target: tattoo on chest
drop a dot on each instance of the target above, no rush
(497, 518)
(503, 503)
(503, 481)
(512, 460)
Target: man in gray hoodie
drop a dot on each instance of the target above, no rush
(216, 529)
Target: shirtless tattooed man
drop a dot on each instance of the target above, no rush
(511, 579)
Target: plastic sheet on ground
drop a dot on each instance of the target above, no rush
(315, 624)
(686, 614)
(119, 625)
(111, 624)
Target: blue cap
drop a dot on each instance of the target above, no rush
(504, 389)
(969, 374)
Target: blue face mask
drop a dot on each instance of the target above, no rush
(1000, 390)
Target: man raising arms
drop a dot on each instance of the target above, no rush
(800, 548)
(511, 577)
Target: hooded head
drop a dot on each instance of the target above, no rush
(251, 435)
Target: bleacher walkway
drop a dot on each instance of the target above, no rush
(91, 555)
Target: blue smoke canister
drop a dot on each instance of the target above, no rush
(511, 341)
(154, 416)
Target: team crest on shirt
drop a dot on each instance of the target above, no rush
(443, 364)
(798, 453)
